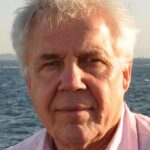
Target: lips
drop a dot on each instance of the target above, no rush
(73, 109)
(73, 115)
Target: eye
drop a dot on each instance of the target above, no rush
(90, 61)
(53, 64)
(94, 63)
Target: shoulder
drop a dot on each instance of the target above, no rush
(143, 131)
(143, 124)
(140, 126)
(30, 143)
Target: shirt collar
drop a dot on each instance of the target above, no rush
(114, 143)
(125, 137)
(45, 142)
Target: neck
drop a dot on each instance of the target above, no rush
(100, 144)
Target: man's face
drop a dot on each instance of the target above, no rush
(75, 80)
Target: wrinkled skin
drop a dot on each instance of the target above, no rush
(76, 82)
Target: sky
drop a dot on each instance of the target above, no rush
(139, 9)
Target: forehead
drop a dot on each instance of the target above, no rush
(76, 34)
(93, 22)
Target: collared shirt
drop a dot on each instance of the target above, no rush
(133, 133)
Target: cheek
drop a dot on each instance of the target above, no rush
(108, 98)
(42, 94)
(106, 90)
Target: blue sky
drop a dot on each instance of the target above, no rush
(139, 8)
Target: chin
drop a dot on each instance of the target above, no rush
(79, 134)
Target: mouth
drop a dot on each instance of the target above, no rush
(73, 109)
(75, 115)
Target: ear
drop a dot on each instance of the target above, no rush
(127, 71)
(28, 84)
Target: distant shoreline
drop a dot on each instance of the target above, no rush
(8, 57)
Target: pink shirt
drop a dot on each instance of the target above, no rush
(133, 133)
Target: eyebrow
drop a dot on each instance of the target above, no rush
(89, 53)
(48, 56)
(93, 52)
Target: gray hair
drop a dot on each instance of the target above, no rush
(45, 10)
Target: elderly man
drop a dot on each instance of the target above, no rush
(76, 57)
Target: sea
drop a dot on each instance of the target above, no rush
(18, 119)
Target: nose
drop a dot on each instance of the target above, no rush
(72, 79)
